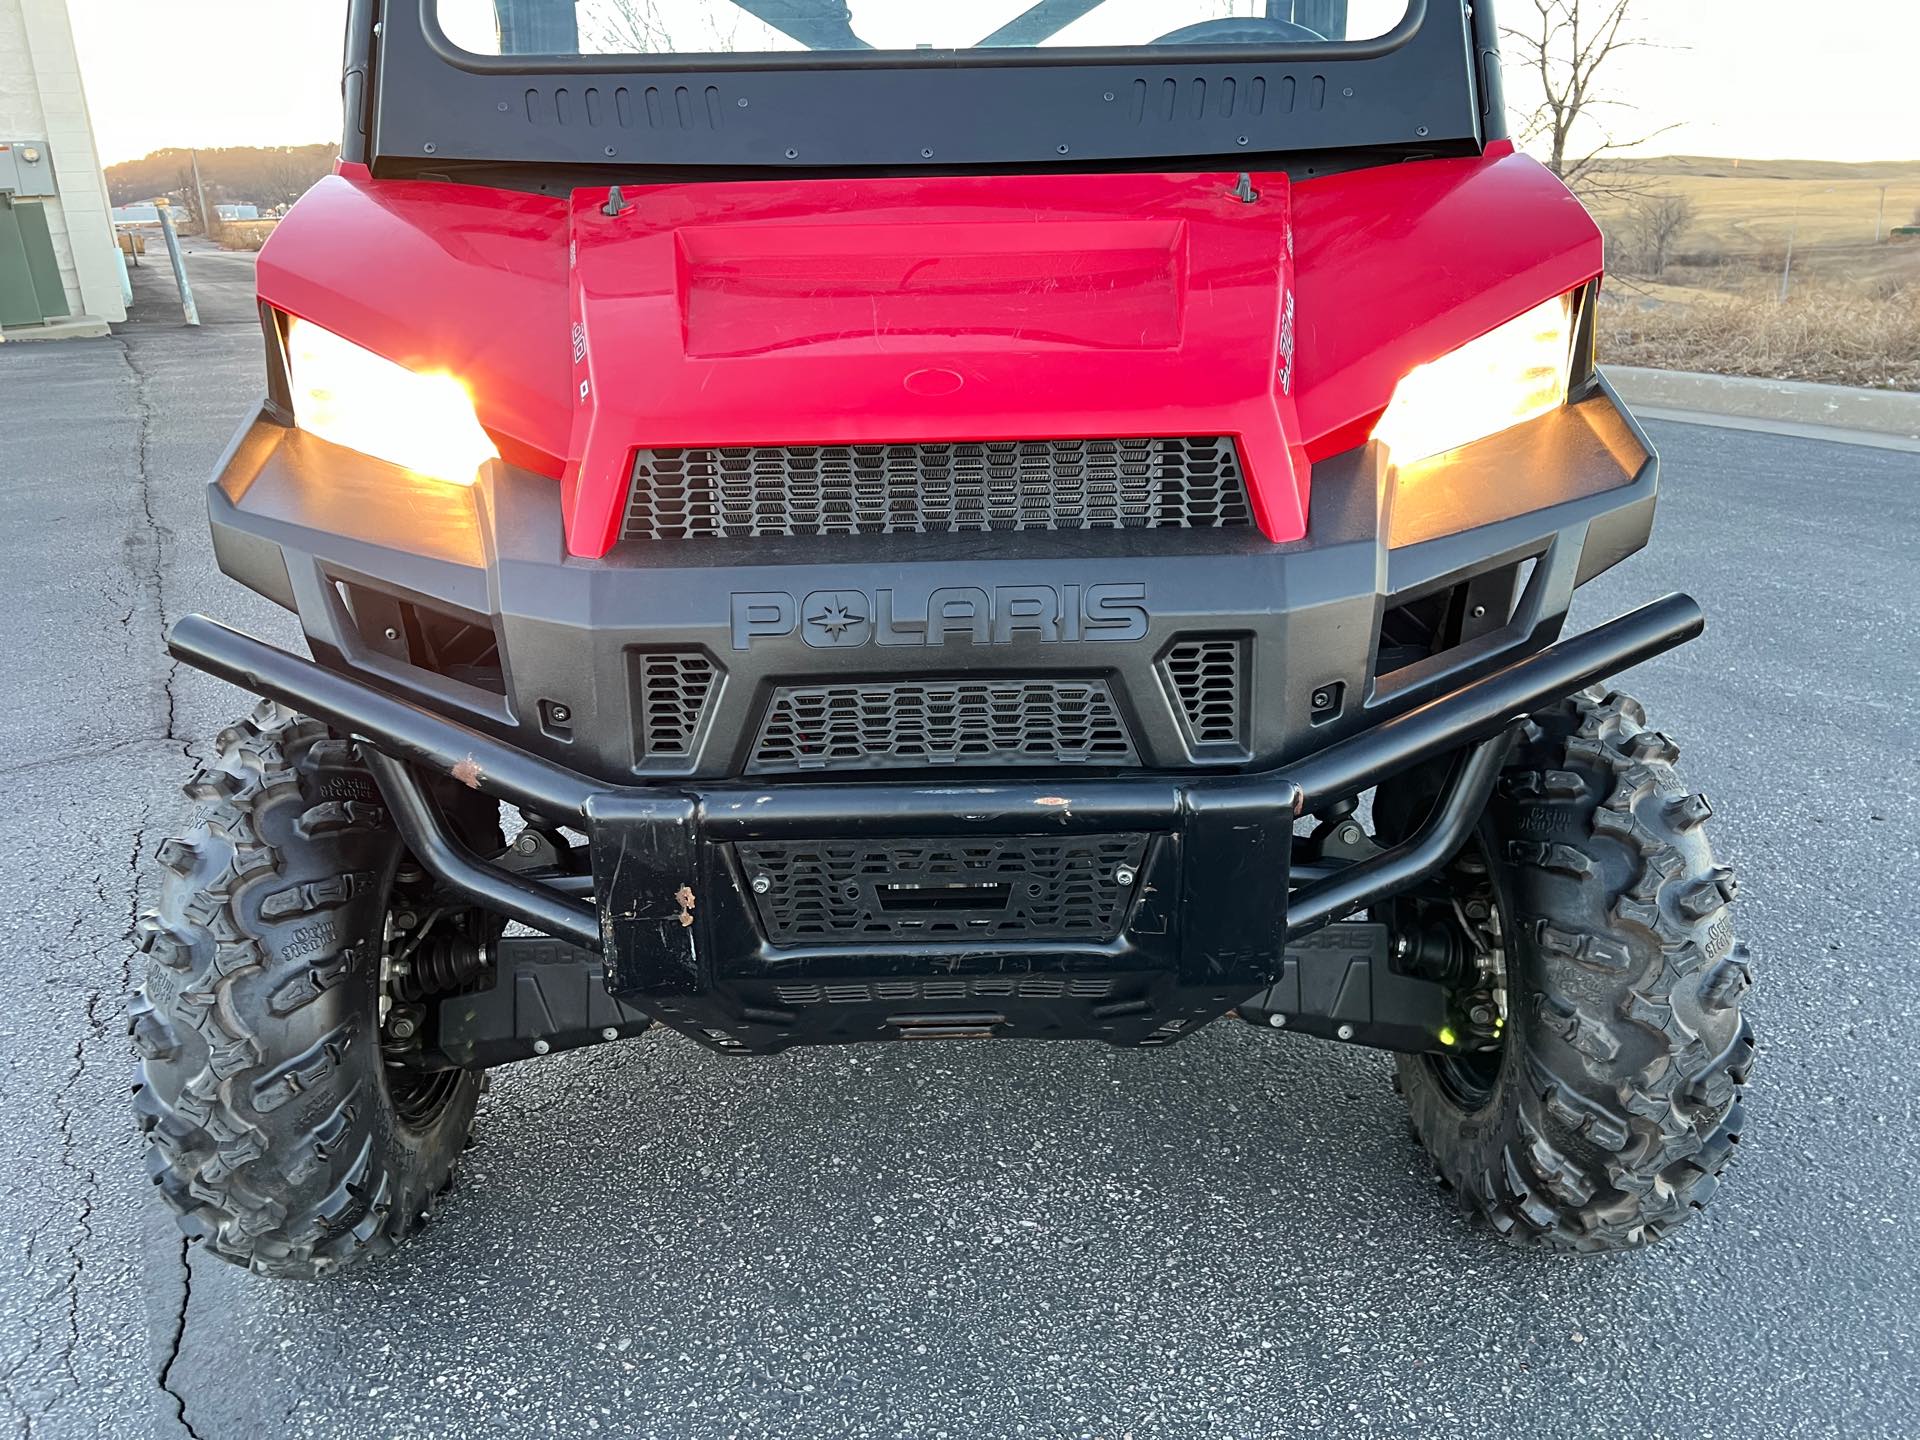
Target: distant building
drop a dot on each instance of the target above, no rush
(146, 214)
(60, 269)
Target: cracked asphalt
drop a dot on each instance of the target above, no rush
(1234, 1237)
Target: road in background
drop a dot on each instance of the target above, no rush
(222, 282)
(1233, 1237)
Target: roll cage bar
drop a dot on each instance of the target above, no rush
(415, 104)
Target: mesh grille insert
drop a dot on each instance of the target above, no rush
(753, 491)
(960, 722)
(1007, 886)
(958, 987)
(1207, 677)
(675, 686)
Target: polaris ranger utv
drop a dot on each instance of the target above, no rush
(902, 520)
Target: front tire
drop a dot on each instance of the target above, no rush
(1611, 1105)
(275, 1129)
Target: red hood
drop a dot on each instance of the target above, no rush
(835, 311)
(931, 309)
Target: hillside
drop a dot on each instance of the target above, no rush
(1879, 171)
(259, 175)
(1748, 206)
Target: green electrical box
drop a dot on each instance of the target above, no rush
(30, 288)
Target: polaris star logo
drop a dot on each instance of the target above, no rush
(837, 617)
(949, 615)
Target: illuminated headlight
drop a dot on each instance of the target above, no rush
(1507, 376)
(353, 397)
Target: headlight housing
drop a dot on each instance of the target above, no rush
(422, 420)
(1511, 374)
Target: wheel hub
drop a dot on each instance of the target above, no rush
(1458, 938)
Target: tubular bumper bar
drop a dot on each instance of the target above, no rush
(1476, 715)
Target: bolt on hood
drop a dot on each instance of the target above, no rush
(930, 310)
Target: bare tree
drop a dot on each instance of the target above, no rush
(184, 187)
(286, 174)
(1660, 221)
(1564, 45)
(638, 27)
(625, 27)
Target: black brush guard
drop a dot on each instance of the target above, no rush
(1208, 919)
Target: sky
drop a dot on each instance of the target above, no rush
(1761, 79)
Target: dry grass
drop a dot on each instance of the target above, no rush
(1839, 334)
(1854, 313)
(245, 234)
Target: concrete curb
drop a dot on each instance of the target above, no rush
(1791, 403)
(71, 327)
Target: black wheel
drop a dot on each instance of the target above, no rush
(1591, 1096)
(287, 1124)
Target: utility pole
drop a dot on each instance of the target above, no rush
(1786, 270)
(187, 307)
(1880, 220)
(209, 223)
(537, 27)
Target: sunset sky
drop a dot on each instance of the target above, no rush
(1781, 79)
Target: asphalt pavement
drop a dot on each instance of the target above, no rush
(1235, 1237)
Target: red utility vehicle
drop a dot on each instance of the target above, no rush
(1032, 519)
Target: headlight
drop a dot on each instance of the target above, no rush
(1508, 375)
(353, 397)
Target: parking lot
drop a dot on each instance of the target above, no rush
(1233, 1237)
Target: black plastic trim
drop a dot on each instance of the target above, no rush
(357, 85)
(1487, 72)
(1413, 90)
(292, 515)
(996, 52)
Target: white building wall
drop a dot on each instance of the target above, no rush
(41, 98)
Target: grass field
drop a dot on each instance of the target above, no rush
(1853, 308)
(1853, 311)
(1748, 206)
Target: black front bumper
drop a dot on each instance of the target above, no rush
(1127, 896)
(699, 659)
(1207, 918)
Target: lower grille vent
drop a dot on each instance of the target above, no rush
(675, 686)
(1207, 678)
(752, 491)
(921, 723)
(1009, 886)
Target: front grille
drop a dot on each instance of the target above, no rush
(1006, 887)
(1208, 679)
(959, 722)
(675, 686)
(754, 491)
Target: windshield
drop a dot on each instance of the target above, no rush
(705, 27)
